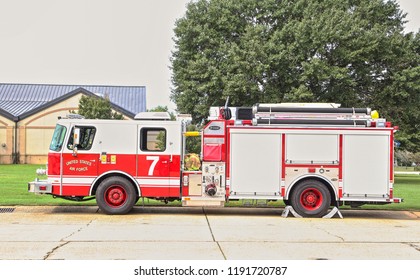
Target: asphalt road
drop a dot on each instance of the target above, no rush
(175, 233)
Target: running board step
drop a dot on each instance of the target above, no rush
(199, 203)
(254, 202)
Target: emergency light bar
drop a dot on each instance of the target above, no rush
(161, 116)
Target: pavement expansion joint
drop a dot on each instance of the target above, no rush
(416, 214)
(55, 249)
(208, 224)
(77, 231)
(329, 233)
(212, 235)
(414, 246)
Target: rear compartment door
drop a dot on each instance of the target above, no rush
(366, 160)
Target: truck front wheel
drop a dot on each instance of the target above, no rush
(116, 196)
(311, 198)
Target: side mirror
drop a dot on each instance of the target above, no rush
(76, 140)
(76, 136)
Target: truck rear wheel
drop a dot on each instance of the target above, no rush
(311, 198)
(116, 196)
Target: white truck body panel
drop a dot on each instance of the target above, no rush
(255, 163)
(257, 159)
(311, 148)
(366, 165)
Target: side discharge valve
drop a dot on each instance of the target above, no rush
(211, 189)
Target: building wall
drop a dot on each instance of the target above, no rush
(35, 132)
(6, 140)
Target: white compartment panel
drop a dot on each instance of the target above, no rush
(255, 163)
(366, 164)
(307, 148)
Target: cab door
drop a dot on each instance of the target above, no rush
(80, 161)
(158, 159)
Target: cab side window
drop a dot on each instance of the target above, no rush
(153, 139)
(87, 134)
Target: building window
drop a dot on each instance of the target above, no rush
(153, 139)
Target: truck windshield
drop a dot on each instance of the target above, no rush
(58, 138)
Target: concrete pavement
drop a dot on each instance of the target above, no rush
(175, 233)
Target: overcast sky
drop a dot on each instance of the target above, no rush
(99, 42)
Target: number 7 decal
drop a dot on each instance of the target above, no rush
(155, 160)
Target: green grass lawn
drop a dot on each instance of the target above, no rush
(404, 168)
(14, 187)
(14, 191)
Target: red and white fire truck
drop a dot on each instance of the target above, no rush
(311, 156)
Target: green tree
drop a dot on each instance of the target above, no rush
(193, 144)
(161, 108)
(352, 52)
(161, 137)
(400, 94)
(92, 107)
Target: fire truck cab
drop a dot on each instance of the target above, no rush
(310, 156)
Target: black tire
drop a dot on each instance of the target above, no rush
(310, 198)
(116, 196)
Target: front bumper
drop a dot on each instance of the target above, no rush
(40, 187)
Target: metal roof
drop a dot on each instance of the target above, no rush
(22, 100)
